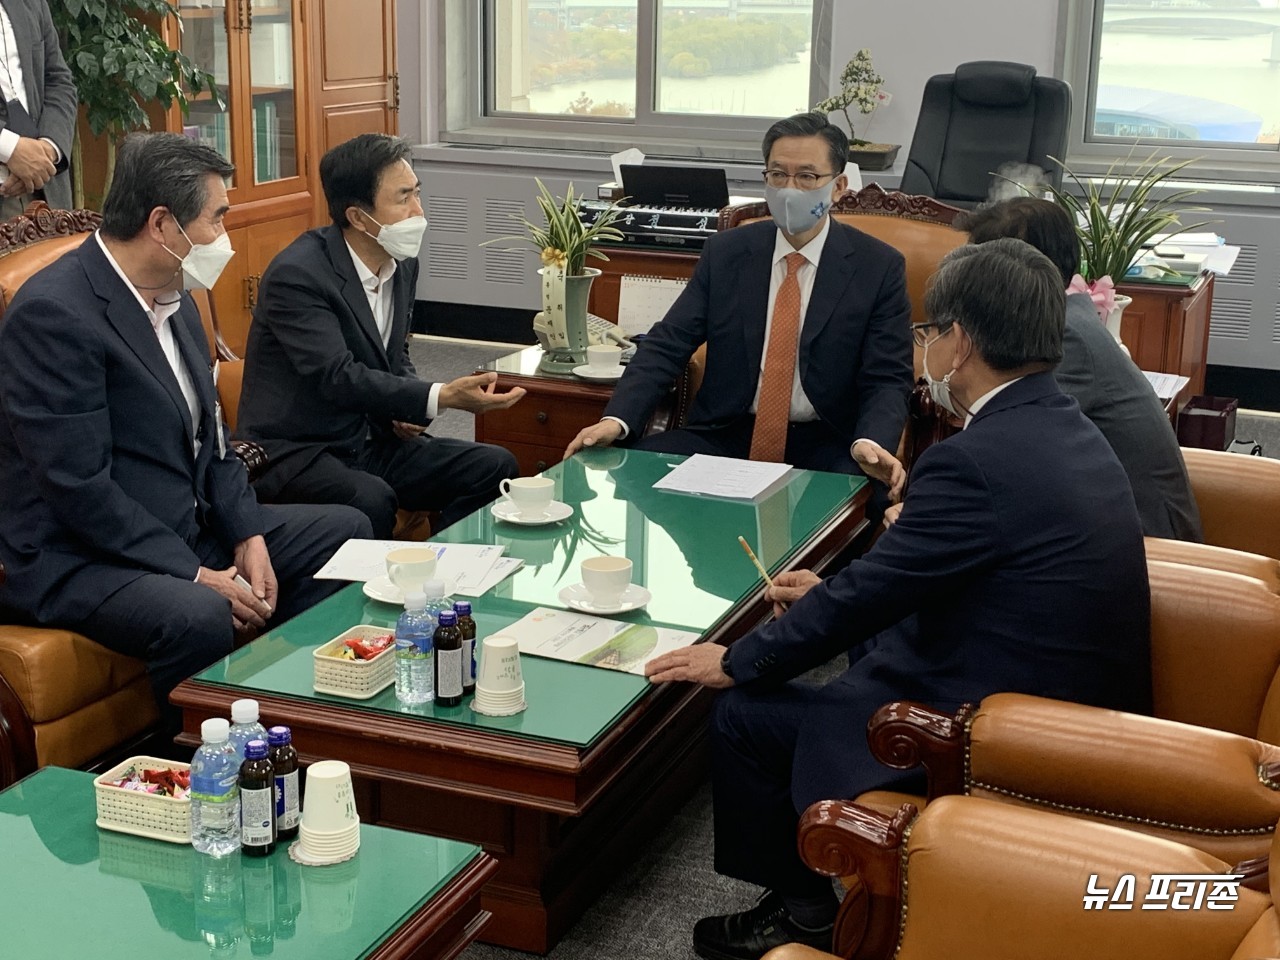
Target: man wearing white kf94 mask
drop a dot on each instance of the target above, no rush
(329, 389)
(127, 516)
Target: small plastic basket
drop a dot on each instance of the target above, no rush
(357, 679)
(142, 814)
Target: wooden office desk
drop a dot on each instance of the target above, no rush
(1166, 329)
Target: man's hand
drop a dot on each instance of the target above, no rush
(31, 162)
(407, 431)
(699, 663)
(476, 394)
(879, 464)
(254, 564)
(600, 434)
(891, 515)
(246, 609)
(789, 587)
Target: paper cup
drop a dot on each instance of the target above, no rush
(605, 578)
(410, 567)
(331, 802)
(603, 358)
(499, 672)
(531, 495)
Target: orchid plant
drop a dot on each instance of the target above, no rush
(566, 239)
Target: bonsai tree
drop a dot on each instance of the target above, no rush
(860, 88)
(120, 62)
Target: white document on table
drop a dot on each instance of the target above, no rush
(723, 477)
(594, 641)
(1166, 385)
(465, 566)
(500, 571)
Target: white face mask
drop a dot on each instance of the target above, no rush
(940, 390)
(796, 210)
(402, 240)
(204, 262)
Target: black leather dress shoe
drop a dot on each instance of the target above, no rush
(753, 933)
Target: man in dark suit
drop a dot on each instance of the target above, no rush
(1016, 565)
(38, 117)
(329, 390)
(805, 321)
(127, 517)
(1111, 390)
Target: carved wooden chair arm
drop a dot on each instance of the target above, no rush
(842, 839)
(253, 457)
(904, 735)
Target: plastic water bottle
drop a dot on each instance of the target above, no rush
(415, 655)
(245, 726)
(215, 792)
(437, 602)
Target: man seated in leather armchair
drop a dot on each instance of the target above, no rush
(1017, 564)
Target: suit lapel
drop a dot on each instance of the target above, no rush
(198, 369)
(754, 293)
(402, 296)
(836, 270)
(353, 292)
(130, 321)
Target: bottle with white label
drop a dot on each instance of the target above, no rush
(284, 760)
(257, 801)
(448, 644)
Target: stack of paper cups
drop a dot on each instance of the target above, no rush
(499, 682)
(329, 831)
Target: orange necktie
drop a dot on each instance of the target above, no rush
(773, 412)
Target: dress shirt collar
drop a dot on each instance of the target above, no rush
(371, 281)
(162, 311)
(812, 250)
(985, 398)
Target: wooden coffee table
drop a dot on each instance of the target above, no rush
(70, 889)
(564, 794)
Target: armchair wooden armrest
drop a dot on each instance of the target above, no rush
(970, 879)
(1216, 791)
(252, 456)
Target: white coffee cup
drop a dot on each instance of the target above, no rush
(410, 567)
(605, 578)
(331, 802)
(531, 495)
(604, 358)
(499, 670)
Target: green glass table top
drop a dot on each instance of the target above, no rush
(684, 550)
(70, 889)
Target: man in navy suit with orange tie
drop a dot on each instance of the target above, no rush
(806, 322)
(1017, 564)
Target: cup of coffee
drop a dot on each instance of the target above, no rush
(606, 578)
(604, 358)
(410, 567)
(531, 495)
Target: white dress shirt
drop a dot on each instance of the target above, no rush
(12, 87)
(159, 318)
(378, 291)
(985, 398)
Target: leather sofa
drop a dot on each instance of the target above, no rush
(972, 879)
(1205, 770)
(1239, 499)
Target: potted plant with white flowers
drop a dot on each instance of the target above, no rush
(860, 88)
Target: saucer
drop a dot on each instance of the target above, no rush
(500, 710)
(298, 855)
(633, 598)
(556, 511)
(384, 591)
(586, 373)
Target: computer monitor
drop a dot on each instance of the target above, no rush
(652, 185)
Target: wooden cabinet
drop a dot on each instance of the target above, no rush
(1166, 329)
(296, 77)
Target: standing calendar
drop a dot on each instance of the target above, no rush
(643, 301)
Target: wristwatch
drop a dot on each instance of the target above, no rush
(726, 665)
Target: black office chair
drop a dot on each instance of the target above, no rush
(972, 122)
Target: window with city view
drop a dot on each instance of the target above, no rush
(578, 58)
(1187, 70)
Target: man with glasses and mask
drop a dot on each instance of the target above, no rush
(805, 321)
(127, 516)
(1016, 565)
(329, 390)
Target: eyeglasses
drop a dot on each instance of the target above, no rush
(918, 331)
(805, 180)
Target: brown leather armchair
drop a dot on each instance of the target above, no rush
(1239, 499)
(920, 228)
(1203, 771)
(971, 879)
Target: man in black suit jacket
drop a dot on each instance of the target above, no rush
(38, 111)
(1017, 564)
(329, 390)
(127, 516)
(851, 369)
(1111, 390)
